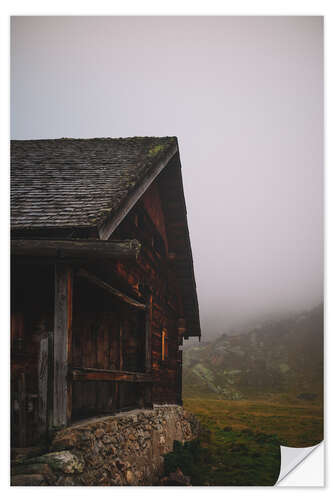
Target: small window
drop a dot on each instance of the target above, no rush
(164, 345)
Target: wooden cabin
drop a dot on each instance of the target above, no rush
(102, 283)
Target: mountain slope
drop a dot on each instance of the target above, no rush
(283, 356)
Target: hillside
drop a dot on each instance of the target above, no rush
(284, 357)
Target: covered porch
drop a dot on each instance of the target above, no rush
(80, 346)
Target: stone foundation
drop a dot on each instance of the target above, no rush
(121, 450)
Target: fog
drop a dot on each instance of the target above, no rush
(244, 96)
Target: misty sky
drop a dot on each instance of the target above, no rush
(244, 96)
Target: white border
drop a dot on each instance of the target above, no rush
(145, 7)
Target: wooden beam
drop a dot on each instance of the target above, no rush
(148, 332)
(82, 273)
(42, 386)
(148, 350)
(62, 341)
(79, 249)
(50, 380)
(84, 374)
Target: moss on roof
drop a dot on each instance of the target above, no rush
(78, 182)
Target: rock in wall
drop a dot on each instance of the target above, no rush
(121, 450)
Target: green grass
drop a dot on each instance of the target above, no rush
(239, 444)
(226, 457)
(296, 423)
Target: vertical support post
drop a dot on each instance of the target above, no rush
(42, 386)
(62, 346)
(50, 369)
(148, 362)
(149, 317)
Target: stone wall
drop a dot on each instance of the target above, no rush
(124, 449)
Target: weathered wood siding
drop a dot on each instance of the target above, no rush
(32, 297)
(105, 332)
(152, 270)
(109, 335)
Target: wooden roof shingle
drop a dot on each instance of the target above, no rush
(78, 183)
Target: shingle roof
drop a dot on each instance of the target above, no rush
(60, 184)
(78, 182)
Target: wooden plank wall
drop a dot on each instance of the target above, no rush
(152, 270)
(106, 335)
(32, 298)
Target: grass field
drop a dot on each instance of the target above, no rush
(240, 440)
(227, 457)
(296, 423)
